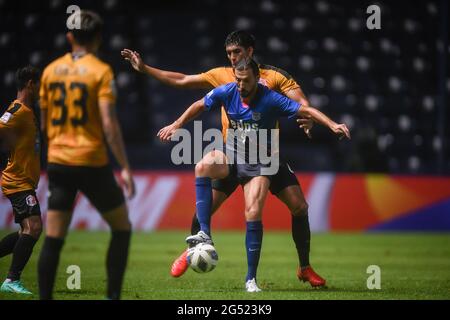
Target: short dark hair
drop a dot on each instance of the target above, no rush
(240, 38)
(25, 74)
(248, 63)
(91, 26)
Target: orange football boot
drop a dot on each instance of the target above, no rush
(309, 275)
(180, 265)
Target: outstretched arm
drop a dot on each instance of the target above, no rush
(305, 123)
(173, 79)
(195, 110)
(309, 112)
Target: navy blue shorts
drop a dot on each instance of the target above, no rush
(242, 173)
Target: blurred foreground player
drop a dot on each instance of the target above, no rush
(19, 134)
(78, 111)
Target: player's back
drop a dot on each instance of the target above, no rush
(71, 89)
(23, 168)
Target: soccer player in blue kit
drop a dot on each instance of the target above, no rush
(250, 106)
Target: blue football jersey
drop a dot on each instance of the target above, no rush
(263, 112)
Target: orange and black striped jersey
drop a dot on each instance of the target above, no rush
(71, 89)
(274, 78)
(22, 172)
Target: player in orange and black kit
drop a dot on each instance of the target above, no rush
(78, 112)
(19, 132)
(238, 45)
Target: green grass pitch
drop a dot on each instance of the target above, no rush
(413, 266)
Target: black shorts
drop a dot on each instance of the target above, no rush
(240, 174)
(96, 183)
(25, 204)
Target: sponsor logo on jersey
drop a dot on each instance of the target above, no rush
(82, 70)
(241, 125)
(61, 70)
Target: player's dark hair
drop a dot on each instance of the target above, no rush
(240, 38)
(25, 74)
(90, 26)
(248, 63)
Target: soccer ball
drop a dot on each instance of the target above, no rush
(202, 258)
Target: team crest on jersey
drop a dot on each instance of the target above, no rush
(5, 117)
(31, 200)
(256, 116)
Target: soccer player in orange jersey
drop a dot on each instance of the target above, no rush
(239, 45)
(78, 114)
(19, 131)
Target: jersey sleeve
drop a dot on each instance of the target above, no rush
(215, 98)
(285, 107)
(215, 77)
(11, 121)
(285, 82)
(107, 89)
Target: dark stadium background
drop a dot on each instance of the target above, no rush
(390, 86)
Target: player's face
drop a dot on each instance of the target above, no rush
(236, 53)
(246, 82)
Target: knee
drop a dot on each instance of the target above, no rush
(300, 209)
(118, 219)
(202, 169)
(33, 228)
(126, 226)
(121, 225)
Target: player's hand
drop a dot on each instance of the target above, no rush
(128, 182)
(341, 130)
(134, 58)
(166, 133)
(306, 124)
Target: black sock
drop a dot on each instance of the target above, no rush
(195, 225)
(8, 243)
(116, 262)
(302, 237)
(47, 266)
(21, 254)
